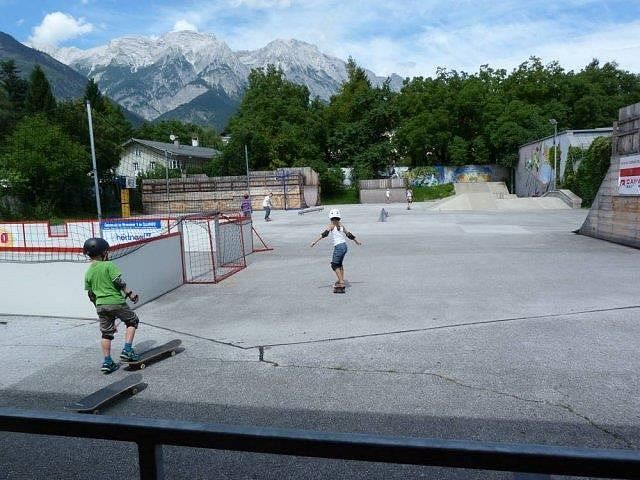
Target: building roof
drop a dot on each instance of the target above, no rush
(602, 131)
(176, 150)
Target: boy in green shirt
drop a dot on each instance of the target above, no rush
(105, 286)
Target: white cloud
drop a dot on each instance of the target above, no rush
(261, 3)
(57, 27)
(182, 24)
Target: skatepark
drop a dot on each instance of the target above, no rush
(481, 324)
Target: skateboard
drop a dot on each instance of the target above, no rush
(149, 355)
(339, 289)
(91, 403)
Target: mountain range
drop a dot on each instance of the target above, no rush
(195, 76)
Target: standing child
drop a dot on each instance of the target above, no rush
(245, 206)
(387, 196)
(339, 235)
(105, 286)
(409, 198)
(266, 205)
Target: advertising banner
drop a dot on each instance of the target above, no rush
(124, 231)
(629, 175)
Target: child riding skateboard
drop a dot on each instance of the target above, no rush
(107, 290)
(339, 235)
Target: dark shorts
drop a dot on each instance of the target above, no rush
(108, 314)
(339, 251)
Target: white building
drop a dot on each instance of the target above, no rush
(535, 170)
(140, 156)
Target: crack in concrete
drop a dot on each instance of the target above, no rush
(393, 332)
(262, 359)
(565, 407)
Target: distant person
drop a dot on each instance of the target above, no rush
(339, 235)
(387, 196)
(409, 198)
(266, 205)
(245, 206)
(107, 290)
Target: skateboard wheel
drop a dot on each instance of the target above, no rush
(173, 353)
(142, 365)
(134, 391)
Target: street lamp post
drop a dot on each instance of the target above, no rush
(554, 122)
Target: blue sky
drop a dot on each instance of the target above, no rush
(408, 37)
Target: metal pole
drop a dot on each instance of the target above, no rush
(96, 183)
(284, 188)
(166, 179)
(246, 160)
(555, 155)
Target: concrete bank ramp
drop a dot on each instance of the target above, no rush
(494, 196)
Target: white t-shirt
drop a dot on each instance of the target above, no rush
(387, 193)
(267, 201)
(338, 235)
(409, 194)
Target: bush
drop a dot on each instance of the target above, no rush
(342, 197)
(421, 194)
(593, 169)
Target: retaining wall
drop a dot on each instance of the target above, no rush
(615, 212)
(56, 289)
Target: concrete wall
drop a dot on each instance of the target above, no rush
(615, 216)
(398, 195)
(534, 171)
(57, 288)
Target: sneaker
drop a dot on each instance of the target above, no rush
(129, 356)
(108, 367)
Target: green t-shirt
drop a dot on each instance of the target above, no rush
(99, 279)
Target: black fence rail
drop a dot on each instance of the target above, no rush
(151, 434)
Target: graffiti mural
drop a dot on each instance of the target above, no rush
(439, 175)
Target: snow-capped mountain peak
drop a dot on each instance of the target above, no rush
(154, 76)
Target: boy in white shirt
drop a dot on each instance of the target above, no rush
(266, 205)
(339, 235)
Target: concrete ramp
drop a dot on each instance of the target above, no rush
(468, 201)
(532, 203)
(494, 196)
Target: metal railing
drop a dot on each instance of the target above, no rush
(151, 434)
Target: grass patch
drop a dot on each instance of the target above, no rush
(421, 194)
(344, 196)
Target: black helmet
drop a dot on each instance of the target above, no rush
(94, 247)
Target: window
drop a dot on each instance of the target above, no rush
(137, 151)
(175, 164)
(136, 166)
(152, 165)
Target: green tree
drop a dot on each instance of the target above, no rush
(14, 86)
(597, 92)
(46, 168)
(459, 151)
(94, 96)
(184, 132)
(277, 123)
(39, 98)
(110, 131)
(361, 120)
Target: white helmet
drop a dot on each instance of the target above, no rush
(335, 213)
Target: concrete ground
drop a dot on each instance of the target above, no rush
(499, 326)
